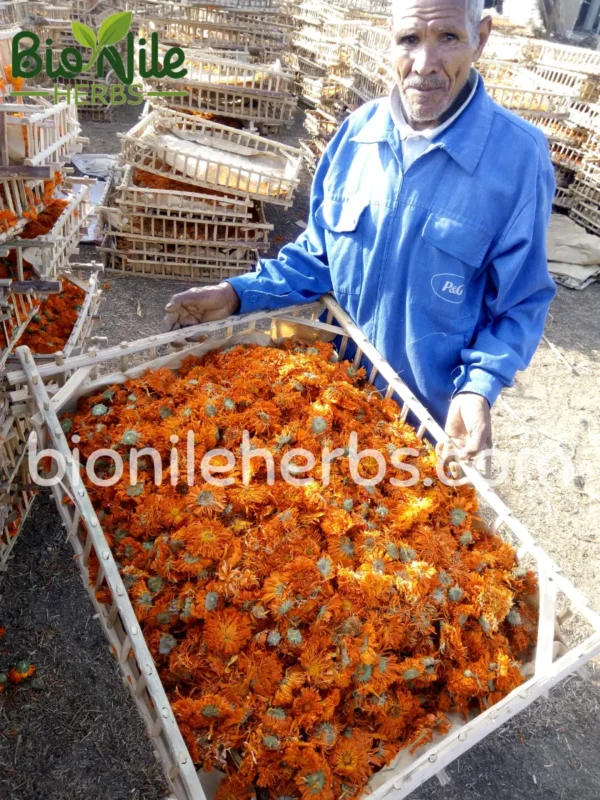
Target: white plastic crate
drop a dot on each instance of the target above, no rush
(226, 159)
(84, 530)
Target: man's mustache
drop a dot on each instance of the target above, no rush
(425, 84)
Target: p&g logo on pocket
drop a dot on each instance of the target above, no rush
(449, 287)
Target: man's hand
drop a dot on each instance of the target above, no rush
(469, 425)
(201, 304)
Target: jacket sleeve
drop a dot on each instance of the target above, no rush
(300, 274)
(517, 299)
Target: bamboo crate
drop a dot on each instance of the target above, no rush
(263, 40)
(320, 124)
(556, 79)
(562, 130)
(15, 198)
(206, 67)
(14, 508)
(268, 109)
(577, 59)
(16, 311)
(12, 12)
(180, 204)
(588, 192)
(203, 232)
(140, 147)
(564, 177)
(84, 531)
(169, 261)
(219, 15)
(534, 102)
(371, 63)
(82, 330)
(565, 155)
(304, 64)
(328, 52)
(49, 254)
(313, 151)
(563, 198)
(507, 48)
(371, 88)
(585, 114)
(50, 13)
(586, 213)
(42, 135)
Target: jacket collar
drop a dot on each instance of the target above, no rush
(464, 140)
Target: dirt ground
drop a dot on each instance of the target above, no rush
(74, 732)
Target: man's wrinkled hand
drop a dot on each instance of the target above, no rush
(469, 425)
(200, 304)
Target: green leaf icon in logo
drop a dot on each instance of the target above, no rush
(84, 35)
(112, 30)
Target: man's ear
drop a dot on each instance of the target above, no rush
(485, 28)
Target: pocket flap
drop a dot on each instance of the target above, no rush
(340, 215)
(458, 239)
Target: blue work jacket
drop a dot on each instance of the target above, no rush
(442, 266)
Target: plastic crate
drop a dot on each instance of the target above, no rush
(144, 146)
(84, 530)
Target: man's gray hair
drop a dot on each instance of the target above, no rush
(474, 9)
(474, 14)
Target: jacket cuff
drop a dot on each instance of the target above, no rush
(249, 300)
(478, 381)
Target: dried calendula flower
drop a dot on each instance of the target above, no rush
(315, 628)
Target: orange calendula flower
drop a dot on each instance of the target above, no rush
(227, 631)
(21, 672)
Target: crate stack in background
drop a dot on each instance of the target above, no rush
(43, 303)
(190, 203)
(199, 170)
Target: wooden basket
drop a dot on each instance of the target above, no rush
(313, 151)
(84, 530)
(320, 124)
(586, 212)
(565, 155)
(139, 147)
(18, 196)
(563, 197)
(14, 508)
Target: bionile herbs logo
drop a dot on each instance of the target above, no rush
(29, 61)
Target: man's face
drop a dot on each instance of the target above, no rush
(432, 54)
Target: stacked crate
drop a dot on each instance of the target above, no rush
(53, 23)
(42, 213)
(190, 203)
(221, 87)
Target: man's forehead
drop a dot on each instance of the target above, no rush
(431, 11)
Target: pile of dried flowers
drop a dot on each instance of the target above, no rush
(53, 323)
(317, 630)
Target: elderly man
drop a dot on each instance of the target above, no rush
(428, 221)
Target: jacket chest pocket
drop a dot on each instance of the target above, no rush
(453, 251)
(343, 231)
